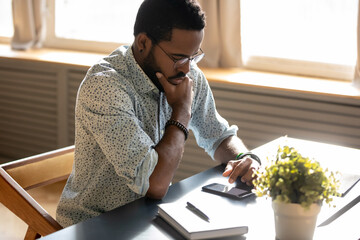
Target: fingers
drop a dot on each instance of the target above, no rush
(178, 92)
(168, 85)
(248, 177)
(159, 75)
(163, 81)
(240, 168)
(228, 169)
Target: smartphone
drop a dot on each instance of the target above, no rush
(227, 191)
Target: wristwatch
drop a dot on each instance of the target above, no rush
(250, 154)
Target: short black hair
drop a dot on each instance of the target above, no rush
(157, 18)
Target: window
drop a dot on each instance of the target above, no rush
(309, 37)
(91, 24)
(6, 24)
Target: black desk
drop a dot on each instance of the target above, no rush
(139, 219)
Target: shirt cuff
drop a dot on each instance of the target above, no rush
(141, 182)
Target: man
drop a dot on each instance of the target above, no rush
(133, 112)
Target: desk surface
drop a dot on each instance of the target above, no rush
(139, 219)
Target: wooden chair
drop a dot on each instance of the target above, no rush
(18, 176)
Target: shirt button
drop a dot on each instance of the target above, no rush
(162, 132)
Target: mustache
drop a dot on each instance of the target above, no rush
(179, 75)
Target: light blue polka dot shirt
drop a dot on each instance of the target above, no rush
(120, 116)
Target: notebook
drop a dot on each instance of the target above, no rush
(192, 226)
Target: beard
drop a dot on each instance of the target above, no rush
(150, 68)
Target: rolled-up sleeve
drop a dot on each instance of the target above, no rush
(118, 132)
(209, 128)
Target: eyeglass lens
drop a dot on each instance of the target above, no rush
(183, 61)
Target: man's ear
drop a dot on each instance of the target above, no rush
(143, 44)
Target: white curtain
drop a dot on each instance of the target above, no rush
(222, 45)
(29, 23)
(356, 81)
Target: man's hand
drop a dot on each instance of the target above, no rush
(171, 147)
(178, 96)
(243, 168)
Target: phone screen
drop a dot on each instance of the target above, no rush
(225, 190)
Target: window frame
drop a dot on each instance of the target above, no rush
(302, 68)
(5, 40)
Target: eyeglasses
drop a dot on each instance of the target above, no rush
(182, 61)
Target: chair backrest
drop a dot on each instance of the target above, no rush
(18, 176)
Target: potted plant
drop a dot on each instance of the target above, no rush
(298, 186)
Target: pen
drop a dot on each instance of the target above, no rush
(197, 211)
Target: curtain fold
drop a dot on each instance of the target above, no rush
(222, 43)
(29, 23)
(356, 81)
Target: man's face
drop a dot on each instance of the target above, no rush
(183, 44)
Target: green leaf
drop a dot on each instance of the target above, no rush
(290, 177)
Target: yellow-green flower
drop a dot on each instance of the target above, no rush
(292, 178)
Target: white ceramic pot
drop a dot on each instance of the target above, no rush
(292, 221)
